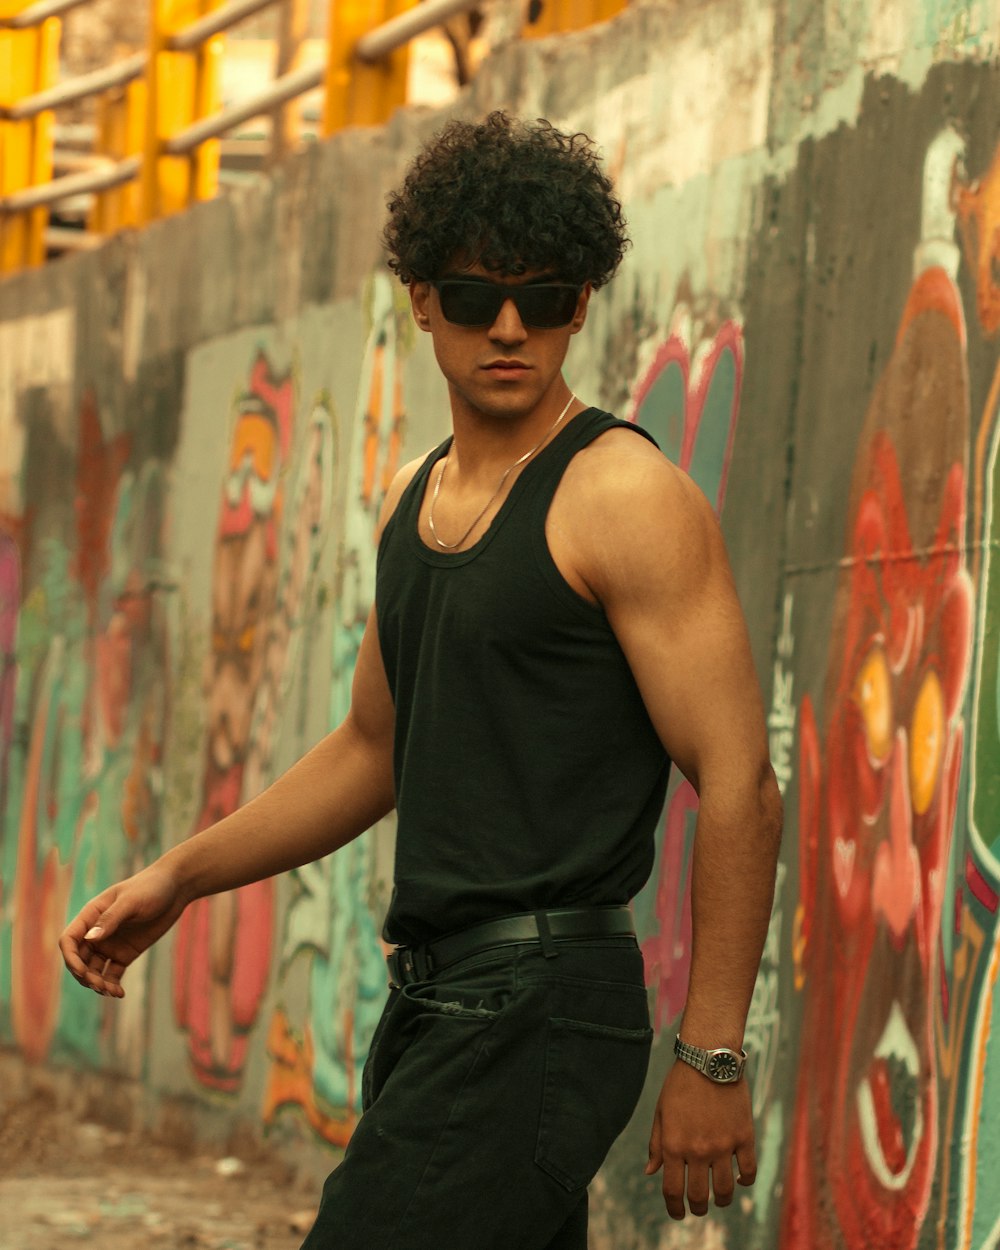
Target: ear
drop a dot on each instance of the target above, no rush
(580, 316)
(420, 299)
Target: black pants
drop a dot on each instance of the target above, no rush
(492, 1094)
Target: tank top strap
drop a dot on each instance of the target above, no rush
(551, 463)
(408, 508)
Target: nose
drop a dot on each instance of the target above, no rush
(508, 327)
(896, 880)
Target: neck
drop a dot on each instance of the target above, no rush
(486, 442)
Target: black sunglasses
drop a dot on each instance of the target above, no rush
(544, 305)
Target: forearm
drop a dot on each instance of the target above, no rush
(735, 858)
(334, 793)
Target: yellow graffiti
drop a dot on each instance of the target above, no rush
(873, 695)
(927, 735)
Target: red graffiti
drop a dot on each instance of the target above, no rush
(667, 952)
(98, 473)
(691, 408)
(877, 810)
(223, 951)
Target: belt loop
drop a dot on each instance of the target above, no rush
(549, 948)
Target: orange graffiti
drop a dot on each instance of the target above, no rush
(291, 1082)
(978, 208)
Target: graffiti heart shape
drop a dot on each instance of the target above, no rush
(896, 886)
(690, 406)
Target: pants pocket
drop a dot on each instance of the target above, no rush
(368, 1081)
(594, 1075)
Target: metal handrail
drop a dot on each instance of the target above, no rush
(106, 174)
(73, 184)
(76, 89)
(220, 19)
(392, 34)
(36, 14)
(73, 240)
(285, 88)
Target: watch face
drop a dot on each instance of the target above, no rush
(724, 1067)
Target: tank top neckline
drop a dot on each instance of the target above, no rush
(453, 559)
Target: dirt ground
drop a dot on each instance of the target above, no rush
(66, 1180)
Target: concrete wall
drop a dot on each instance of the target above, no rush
(196, 427)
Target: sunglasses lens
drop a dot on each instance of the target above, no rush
(478, 303)
(546, 307)
(470, 303)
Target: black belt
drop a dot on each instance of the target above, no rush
(416, 963)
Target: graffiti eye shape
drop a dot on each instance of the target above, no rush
(873, 696)
(926, 742)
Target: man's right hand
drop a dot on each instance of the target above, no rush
(118, 925)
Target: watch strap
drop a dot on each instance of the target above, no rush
(722, 1065)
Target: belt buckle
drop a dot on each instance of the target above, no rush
(408, 964)
(397, 968)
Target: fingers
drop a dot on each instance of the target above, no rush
(673, 1186)
(655, 1149)
(746, 1159)
(722, 1181)
(697, 1175)
(96, 971)
(697, 1189)
(86, 962)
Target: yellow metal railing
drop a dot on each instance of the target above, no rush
(29, 61)
(182, 86)
(158, 116)
(361, 92)
(559, 16)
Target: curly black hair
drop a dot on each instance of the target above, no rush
(509, 195)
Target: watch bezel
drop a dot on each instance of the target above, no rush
(734, 1065)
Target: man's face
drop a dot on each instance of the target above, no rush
(503, 368)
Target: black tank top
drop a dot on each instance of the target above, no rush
(527, 771)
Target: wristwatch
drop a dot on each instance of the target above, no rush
(724, 1066)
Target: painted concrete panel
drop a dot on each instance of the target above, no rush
(198, 424)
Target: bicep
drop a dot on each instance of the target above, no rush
(372, 711)
(676, 614)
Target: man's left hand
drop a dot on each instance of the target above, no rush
(698, 1127)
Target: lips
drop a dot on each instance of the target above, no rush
(889, 1107)
(506, 368)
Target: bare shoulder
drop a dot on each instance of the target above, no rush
(630, 508)
(399, 483)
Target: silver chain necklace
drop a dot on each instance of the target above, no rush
(444, 464)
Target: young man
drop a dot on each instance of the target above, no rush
(555, 621)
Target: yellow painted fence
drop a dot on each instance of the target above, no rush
(159, 115)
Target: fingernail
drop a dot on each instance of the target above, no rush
(93, 933)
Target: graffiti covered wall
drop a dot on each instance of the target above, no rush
(198, 424)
